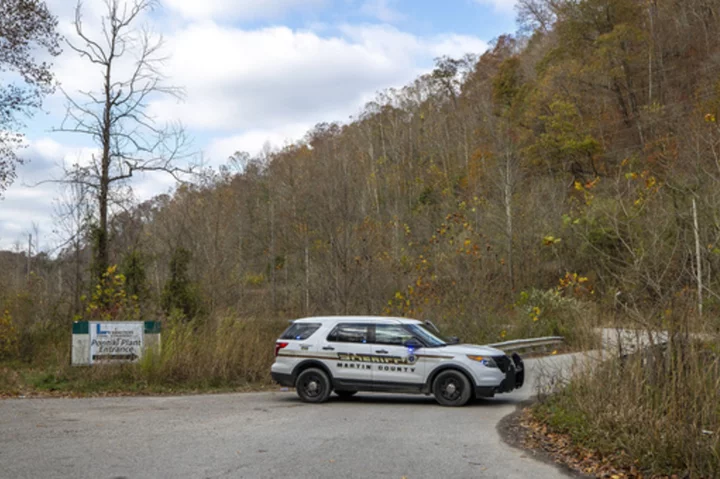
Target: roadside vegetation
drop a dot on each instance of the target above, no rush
(654, 413)
(226, 354)
(567, 178)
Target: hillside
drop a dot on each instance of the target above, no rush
(567, 177)
(575, 148)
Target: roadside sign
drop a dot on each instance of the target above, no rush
(115, 342)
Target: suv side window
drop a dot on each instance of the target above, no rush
(392, 334)
(300, 331)
(349, 333)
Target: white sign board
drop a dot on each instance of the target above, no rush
(115, 342)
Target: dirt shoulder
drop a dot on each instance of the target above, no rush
(524, 431)
(514, 431)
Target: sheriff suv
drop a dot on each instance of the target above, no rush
(347, 354)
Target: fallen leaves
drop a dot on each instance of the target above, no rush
(531, 433)
(537, 436)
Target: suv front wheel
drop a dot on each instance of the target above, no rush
(452, 388)
(313, 386)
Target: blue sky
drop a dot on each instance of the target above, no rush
(486, 19)
(256, 73)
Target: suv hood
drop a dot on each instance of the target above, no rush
(473, 349)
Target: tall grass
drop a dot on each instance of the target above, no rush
(659, 407)
(227, 352)
(223, 353)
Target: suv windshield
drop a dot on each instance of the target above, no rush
(426, 336)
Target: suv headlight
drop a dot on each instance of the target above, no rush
(487, 361)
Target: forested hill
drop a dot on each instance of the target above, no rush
(570, 156)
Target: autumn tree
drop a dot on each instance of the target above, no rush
(179, 293)
(27, 31)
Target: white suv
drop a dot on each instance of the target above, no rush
(347, 354)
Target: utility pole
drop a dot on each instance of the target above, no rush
(698, 259)
(29, 255)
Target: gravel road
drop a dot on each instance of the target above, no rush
(265, 435)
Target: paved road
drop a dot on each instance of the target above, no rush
(264, 435)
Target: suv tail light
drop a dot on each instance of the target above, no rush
(279, 346)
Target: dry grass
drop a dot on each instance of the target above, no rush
(224, 352)
(660, 408)
(216, 355)
(227, 351)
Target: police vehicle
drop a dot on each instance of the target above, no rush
(347, 354)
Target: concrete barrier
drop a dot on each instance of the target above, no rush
(99, 342)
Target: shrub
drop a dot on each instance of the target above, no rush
(657, 408)
(9, 337)
(181, 294)
(550, 313)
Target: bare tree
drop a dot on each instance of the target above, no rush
(535, 15)
(72, 213)
(116, 117)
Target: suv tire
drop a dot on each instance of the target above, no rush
(345, 394)
(313, 385)
(452, 388)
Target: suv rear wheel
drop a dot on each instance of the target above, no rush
(345, 394)
(313, 385)
(452, 388)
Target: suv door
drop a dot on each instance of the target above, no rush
(351, 364)
(400, 366)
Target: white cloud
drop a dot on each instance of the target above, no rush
(502, 6)
(239, 79)
(454, 45)
(261, 79)
(149, 184)
(254, 141)
(23, 205)
(245, 87)
(65, 10)
(239, 9)
(47, 158)
(382, 10)
(30, 199)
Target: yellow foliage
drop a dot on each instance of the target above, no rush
(109, 301)
(254, 279)
(574, 284)
(550, 240)
(8, 335)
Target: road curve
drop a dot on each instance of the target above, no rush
(265, 435)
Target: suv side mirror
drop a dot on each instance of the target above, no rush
(453, 340)
(413, 344)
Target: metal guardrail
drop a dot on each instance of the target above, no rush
(520, 344)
